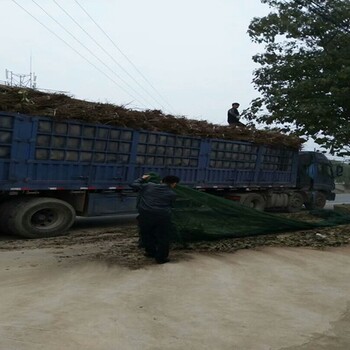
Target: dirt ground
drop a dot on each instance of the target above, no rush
(94, 289)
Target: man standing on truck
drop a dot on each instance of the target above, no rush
(154, 207)
(233, 115)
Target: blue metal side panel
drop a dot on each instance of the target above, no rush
(294, 168)
(241, 164)
(109, 204)
(15, 150)
(4, 171)
(278, 167)
(24, 131)
(231, 163)
(166, 154)
(66, 176)
(226, 177)
(41, 153)
(187, 176)
(6, 149)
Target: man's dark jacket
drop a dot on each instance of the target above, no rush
(233, 116)
(154, 198)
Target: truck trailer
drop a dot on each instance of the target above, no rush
(54, 170)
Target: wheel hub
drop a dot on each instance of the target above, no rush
(43, 218)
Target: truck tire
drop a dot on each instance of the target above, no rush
(40, 217)
(295, 202)
(254, 201)
(319, 201)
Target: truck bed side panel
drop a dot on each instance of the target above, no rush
(40, 153)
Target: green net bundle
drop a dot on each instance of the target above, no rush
(201, 216)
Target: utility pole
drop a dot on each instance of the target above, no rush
(26, 80)
(20, 80)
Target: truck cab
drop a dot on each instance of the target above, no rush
(316, 177)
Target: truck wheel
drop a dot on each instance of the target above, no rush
(254, 201)
(41, 217)
(295, 202)
(319, 201)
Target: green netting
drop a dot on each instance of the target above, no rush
(201, 216)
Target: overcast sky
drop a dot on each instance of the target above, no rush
(185, 57)
(196, 54)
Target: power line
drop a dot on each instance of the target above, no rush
(107, 53)
(78, 53)
(126, 83)
(126, 57)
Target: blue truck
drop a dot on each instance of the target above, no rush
(54, 170)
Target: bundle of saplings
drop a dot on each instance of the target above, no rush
(62, 107)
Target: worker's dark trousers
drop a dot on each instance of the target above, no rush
(155, 234)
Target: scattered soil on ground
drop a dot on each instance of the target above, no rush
(119, 244)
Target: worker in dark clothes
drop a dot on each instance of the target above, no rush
(233, 115)
(154, 207)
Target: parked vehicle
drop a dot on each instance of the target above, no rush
(52, 170)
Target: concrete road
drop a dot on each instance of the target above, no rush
(341, 198)
(273, 298)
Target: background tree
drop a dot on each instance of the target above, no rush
(304, 73)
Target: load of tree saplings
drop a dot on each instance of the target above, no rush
(60, 106)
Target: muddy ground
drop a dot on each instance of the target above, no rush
(94, 290)
(119, 244)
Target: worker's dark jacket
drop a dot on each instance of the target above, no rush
(154, 198)
(233, 116)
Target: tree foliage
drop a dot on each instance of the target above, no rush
(304, 73)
